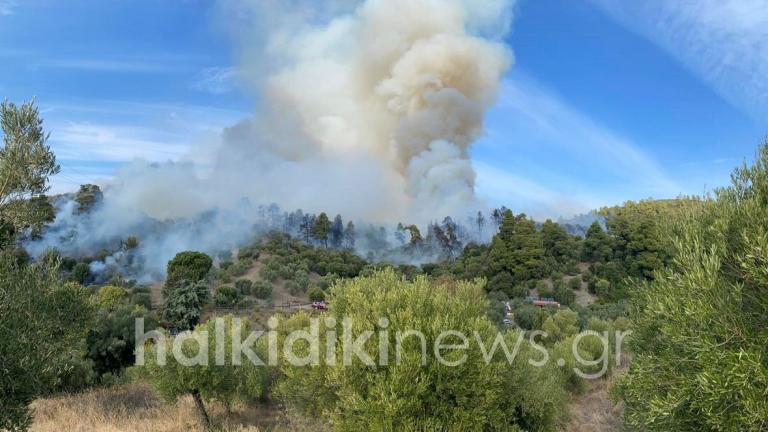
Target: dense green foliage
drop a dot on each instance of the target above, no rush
(290, 255)
(560, 248)
(185, 304)
(26, 164)
(110, 342)
(597, 246)
(187, 266)
(42, 324)
(322, 229)
(225, 382)
(518, 249)
(228, 297)
(411, 396)
(88, 197)
(701, 324)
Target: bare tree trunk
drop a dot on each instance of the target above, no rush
(201, 413)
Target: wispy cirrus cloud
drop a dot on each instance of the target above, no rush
(558, 160)
(91, 138)
(502, 187)
(107, 65)
(724, 42)
(216, 80)
(116, 143)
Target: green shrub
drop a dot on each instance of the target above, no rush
(328, 280)
(572, 268)
(262, 290)
(502, 281)
(544, 289)
(110, 297)
(301, 278)
(519, 291)
(529, 317)
(74, 374)
(293, 288)
(42, 324)
(110, 342)
(227, 296)
(575, 282)
(141, 289)
(564, 295)
(142, 299)
(271, 271)
(239, 268)
(602, 288)
(316, 295)
(80, 273)
(562, 324)
(249, 253)
(244, 286)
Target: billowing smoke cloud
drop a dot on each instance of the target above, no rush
(367, 109)
(369, 113)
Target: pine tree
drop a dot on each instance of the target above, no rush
(416, 238)
(517, 248)
(597, 245)
(480, 221)
(349, 235)
(337, 232)
(305, 228)
(321, 229)
(400, 233)
(558, 244)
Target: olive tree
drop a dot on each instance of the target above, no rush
(700, 325)
(43, 323)
(224, 381)
(26, 164)
(414, 389)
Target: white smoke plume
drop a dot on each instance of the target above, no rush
(367, 109)
(369, 113)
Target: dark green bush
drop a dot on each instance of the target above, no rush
(316, 295)
(111, 340)
(244, 286)
(80, 273)
(269, 273)
(564, 295)
(239, 268)
(249, 253)
(142, 299)
(529, 317)
(262, 290)
(502, 281)
(228, 297)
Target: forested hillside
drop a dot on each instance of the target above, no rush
(687, 276)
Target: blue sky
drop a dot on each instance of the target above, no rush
(608, 100)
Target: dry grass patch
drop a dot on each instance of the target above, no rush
(594, 411)
(136, 408)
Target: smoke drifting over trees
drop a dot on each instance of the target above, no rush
(369, 112)
(366, 109)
